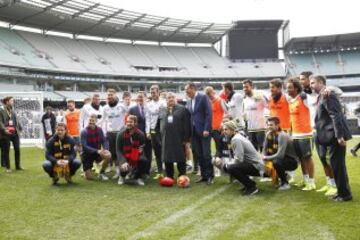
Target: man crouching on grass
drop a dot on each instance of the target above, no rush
(247, 162)
(94, 148)
(60, 155)
(129, 150)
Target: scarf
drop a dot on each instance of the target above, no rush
(93, 137)
(272, 145)
(131, 147)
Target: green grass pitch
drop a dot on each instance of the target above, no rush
(30, 208)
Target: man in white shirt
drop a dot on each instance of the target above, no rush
(113, 121)
(254, 107)
(234, 103)
(152, 127)
(93, 107)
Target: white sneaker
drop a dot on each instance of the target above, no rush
(108, 169)
(121, 181)
(284, 187)
(116, 176)
(103, 177)
(140, 182)
(265, 179)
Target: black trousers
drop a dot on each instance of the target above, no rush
(156, 146)
(138, 171)
(169, 168)
(5, 151)
(285, 164)
(242, 171)
(148, 155)
(337, 161)
(216, 135)
(257, 139)
(111, 137)
(48, 167)
(202, 154)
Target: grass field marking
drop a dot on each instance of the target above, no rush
(176, 215)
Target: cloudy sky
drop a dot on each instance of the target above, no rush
(307, 17)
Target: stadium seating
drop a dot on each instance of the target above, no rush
(33, 50)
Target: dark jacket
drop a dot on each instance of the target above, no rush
(330, 122)
(140, 118)
(174, 133)
(52, 124)
(60, 149)
(90, 144)
(201, 115)
(4, 121)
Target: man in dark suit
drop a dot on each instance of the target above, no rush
(333, 132)
(200, 109)
(139, 111)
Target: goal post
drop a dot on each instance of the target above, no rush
(29, 110)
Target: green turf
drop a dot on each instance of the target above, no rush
(30, 208)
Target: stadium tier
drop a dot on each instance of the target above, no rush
(333, 55)
(53, 53)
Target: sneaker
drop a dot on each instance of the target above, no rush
(325, 188)
(265, 179)
(300, 184)
(116, 176)
(8, 170)
(157, 176)
(284, 187)
(108, 169)
(291, 180)
(121, 181)
(103, 177)
(353, 152)
(331, 191)
(309, 187)
(140, 182)
(250, 191)
(188, 168)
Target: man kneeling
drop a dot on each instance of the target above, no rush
(129, 150)
(60, 155)
(92, 139)
(279, 149)
(247, 163)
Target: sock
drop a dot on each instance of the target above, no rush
(306, 178)
(332, 182)
(311, 180)
(117, 169)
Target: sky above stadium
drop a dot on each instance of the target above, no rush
(307, 17)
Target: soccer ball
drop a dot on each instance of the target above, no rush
(166, 181)
(183, 181)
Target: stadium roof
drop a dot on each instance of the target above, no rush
(83, 17)
(261, 25)
(331, 42)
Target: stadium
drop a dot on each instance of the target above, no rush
(52, 51)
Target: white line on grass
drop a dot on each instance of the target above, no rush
(175, 216)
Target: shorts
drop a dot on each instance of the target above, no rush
(303, 148)
(88, 160)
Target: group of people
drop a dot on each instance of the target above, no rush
(254, 135)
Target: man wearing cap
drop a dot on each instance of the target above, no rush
(247, 161)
